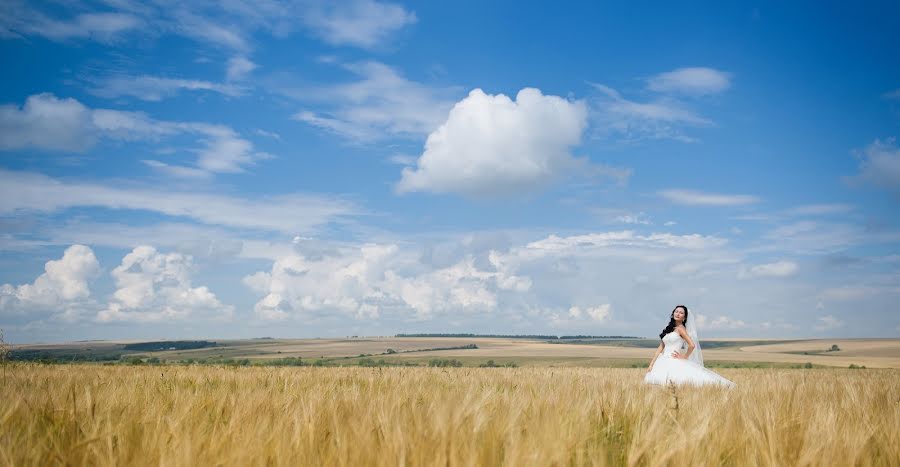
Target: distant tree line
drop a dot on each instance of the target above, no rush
(168, 345)
(437, 362)
(458, 347)
(50, 356)
(382, 362)
(492, 364)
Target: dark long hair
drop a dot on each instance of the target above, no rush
(671, 326)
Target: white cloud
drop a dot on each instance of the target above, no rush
(491, 145)
(367, 281)
(527, 283)
(684, 268)
(201, 242)
(60, 290)
(268, 134)
(619, 216)
(47, 122)
(381, 104)
(697, 198)
(577, 318)
(879, 166)
(153, 286)
(230, 25)
(895, 94)
(634, 121)
(225, 150)
(695, 81)
(155, 88)
(204, 27)
(177, 171)
(291, 213)
(806, 210)
(818, 237)
(361, 23)
(238, 68)
(623, 239)
(720, 323)
(639, 218)
(222, 149)
(820, 209)
(20, 19)
(776, 269)
(402, 159)
(849, 292)
(662, 111)
(828, 322)
(597, 313)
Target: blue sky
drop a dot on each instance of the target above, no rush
(299, 169)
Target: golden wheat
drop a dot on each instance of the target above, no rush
(201, 415)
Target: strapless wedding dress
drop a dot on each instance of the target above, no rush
(668, 369)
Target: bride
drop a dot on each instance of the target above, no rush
(678, 358)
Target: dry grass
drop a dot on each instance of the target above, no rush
(849, 347)
(201, 415)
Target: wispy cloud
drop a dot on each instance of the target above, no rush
(699, 198)
(667, 114)
(155, 88)
(22, 192)
(879, 166)
(211, 29)
(849, 292)
(622, 216)
(177, 171)
(697, 81)
(48, 122)
(381, 104)
(820, 209)
(634, 121)
(238, 68)
(639, 218)
(719, 323)
(360, 23)
(622, 239)
(776, 269)
(229, 25)
(814, 237)
(45, 121)
(19, 19)
(828, 322)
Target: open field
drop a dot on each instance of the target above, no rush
(872, 353)
(215, 415)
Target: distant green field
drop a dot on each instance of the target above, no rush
(653, 343)
(611, 352)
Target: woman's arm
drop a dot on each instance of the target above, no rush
(658, 351)
(684, 335)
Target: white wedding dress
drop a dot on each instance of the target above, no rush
(668, 369)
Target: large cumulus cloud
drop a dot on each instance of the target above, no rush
(492, 145)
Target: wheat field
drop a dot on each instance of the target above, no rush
(207, 415)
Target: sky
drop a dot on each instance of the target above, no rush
(274, 168)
